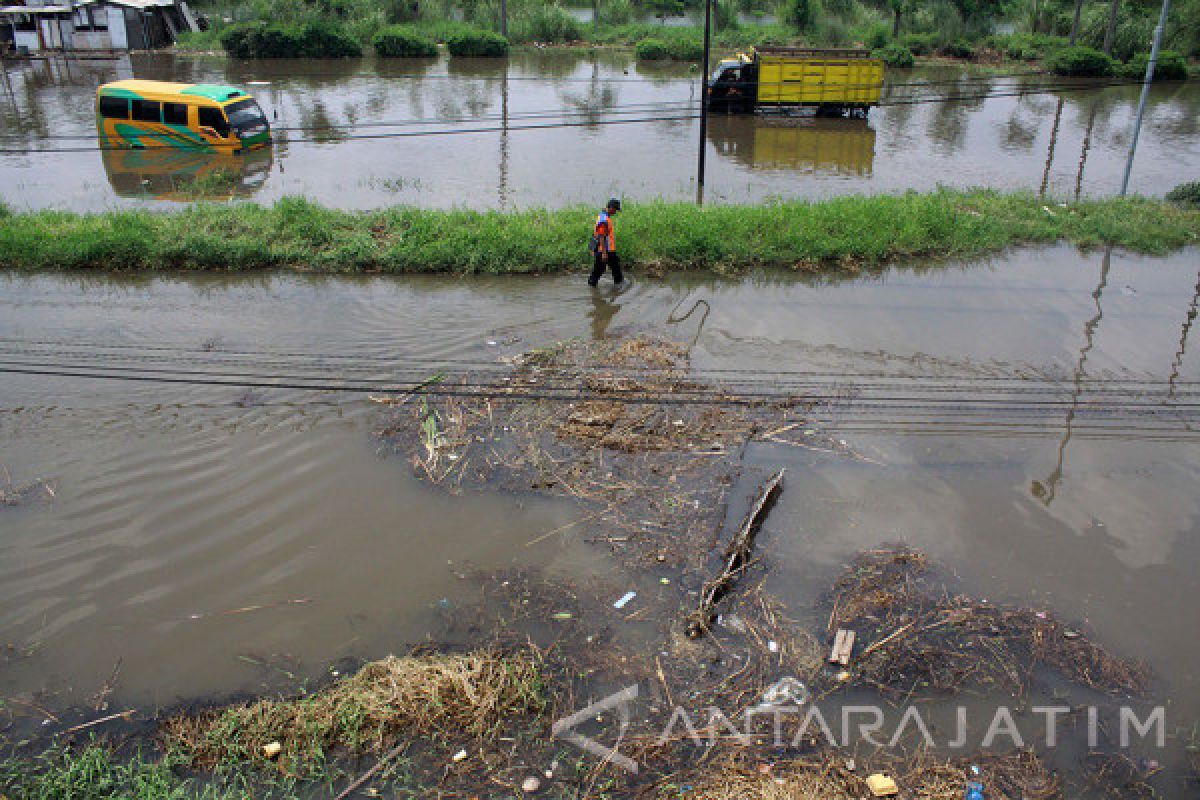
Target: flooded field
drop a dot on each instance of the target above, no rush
(213, 539)
(558, 127)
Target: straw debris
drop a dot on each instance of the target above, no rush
(622, 427)
(825, 775)
(471, 694)
(917, 635)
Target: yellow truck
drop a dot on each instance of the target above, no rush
(833, 82)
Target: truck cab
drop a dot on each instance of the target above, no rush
(733, 85)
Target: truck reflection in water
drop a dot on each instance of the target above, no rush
(185, 176)
(805, 144)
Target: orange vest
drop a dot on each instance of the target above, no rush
(606, 233)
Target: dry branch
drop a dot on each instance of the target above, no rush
(736, 558)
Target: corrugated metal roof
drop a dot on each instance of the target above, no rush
(35, 10)
(142, 4)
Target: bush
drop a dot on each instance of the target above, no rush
(957, 49)
(1027, 46)
(548, 23)
(1186, 195)
(325, 40)
(877, 36)
(652, 50)
(921, 44)
(895, 55)
(685, 48)
(400, 41)
(311, 40)
(1171, 66)
(477, 43)
(1080, 61)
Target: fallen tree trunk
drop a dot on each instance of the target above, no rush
(737, 557)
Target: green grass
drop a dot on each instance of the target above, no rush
(92, 771)
(297, 234)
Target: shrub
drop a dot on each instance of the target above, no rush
(548, 23)
(685, 48)
(877, 36)
(1027, 46)
(477, 43)
(400, 41)
(957, 49)
(312, 40)
(895, 55)
(239, 40)
(921, 44)
(1186, 195)
(1080, 61)
(652, 50)
(1171, 66)
(326, 40)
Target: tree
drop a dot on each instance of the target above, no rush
(1075, 21)
(665, 8)
(1110, 33)
(800, 14)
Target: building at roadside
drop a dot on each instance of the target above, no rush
(81, 25)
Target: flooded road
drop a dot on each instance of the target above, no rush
(196, 532)
(559, 127)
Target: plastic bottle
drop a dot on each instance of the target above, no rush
(974, 786)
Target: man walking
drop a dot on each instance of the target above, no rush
(604, 245)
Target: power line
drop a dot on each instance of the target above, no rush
(59, 347)
(677, 117)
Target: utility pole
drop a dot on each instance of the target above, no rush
(1141, 109)
(504, 18)
(703, 104)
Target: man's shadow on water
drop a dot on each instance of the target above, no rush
(605, 306)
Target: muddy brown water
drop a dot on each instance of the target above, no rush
(186, 520)
(942, 125)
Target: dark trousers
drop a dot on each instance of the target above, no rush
(614, 261)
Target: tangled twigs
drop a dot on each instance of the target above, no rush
(737, 558)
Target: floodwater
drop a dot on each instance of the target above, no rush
(563, 127)
(196, 532)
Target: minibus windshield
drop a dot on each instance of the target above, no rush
(245, 116)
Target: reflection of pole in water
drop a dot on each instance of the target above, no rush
(1083, 154)
(503, 188)
(1177, 364)
(703, 104)
(1053, 142)
(1047, 490)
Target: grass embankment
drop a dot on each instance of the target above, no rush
(847, 232)
(441, 700)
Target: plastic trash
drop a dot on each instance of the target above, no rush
(625, 598)
(882, 785)
(784, 692)
(974, 787)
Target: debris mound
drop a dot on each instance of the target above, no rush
(918, 635)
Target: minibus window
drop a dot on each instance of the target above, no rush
(175, 113)
(147, 110)
(213, 118)
(114, 107)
